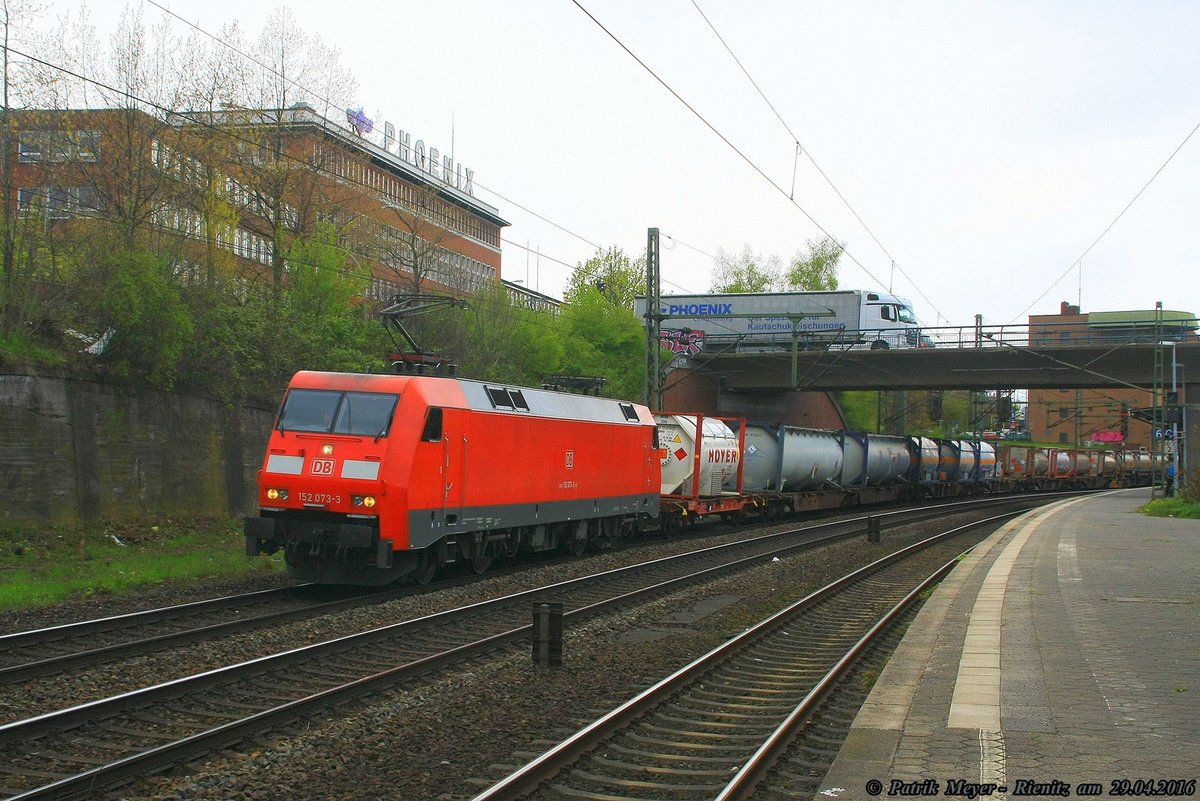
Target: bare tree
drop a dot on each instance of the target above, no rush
(412, 241)
(745, 272)
(15, 13)
(301, 82)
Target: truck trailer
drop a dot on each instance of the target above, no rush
(841, 319)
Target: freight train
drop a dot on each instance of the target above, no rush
(369, 479)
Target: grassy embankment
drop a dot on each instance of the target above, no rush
(50, 566)
(1172, 507)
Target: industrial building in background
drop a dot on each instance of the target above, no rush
(1121, 415)
(232, 189)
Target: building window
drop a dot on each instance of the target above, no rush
(59, 202)
(1062, 436)
(1063, 412)
(57, 146)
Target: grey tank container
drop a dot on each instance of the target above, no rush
(790, 459)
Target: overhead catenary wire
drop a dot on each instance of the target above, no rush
(742, 155)
(1079, 261)
(808, 154)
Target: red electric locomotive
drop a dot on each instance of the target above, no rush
(369, 478)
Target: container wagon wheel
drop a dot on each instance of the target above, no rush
(480, 564)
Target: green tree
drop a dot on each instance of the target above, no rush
(745, 272)
(613, 274)
(323, 325)
(600, 339)
(142, 312)
(816, 270)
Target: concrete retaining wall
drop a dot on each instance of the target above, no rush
(76, 451)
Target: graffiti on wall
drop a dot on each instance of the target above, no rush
(682, 340)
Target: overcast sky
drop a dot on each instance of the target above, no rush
(986, 146)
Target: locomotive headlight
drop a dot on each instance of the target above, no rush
(277, 494)
(327, 449)
(368, 501)
(363, 500)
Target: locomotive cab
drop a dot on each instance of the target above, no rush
(321, 487)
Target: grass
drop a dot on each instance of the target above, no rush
(22, 350)
(38, 568)
(1172, 507)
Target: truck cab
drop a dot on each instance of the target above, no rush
(888, 322)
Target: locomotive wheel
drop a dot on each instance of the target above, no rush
(426, 570)
(480, 564)
(578, 546)
(512, 545)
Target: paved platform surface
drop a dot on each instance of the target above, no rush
(1063, 652)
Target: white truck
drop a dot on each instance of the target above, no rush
(841, 319)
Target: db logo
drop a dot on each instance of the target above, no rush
(322, 467)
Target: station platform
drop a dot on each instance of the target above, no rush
(1061, 658)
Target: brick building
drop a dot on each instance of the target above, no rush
(236, 185)
(1082, 416)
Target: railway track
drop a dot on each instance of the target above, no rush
(713, 729)
(68, 753)
(40, 652)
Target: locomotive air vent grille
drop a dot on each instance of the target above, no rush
(511, 399)
(499, 397)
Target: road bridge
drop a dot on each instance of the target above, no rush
(989, 364)
(985, 361)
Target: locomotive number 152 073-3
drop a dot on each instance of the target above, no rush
(319, 497)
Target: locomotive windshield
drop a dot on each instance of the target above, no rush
(326, 411)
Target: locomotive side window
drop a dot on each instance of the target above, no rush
(326, 411)
(433, 426)
(629, 412)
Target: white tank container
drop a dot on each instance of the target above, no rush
(1022, 461)
(789, 458)
(719, 455)
(948, 459)
(968, 459)
(987, 461)
(927, 468)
